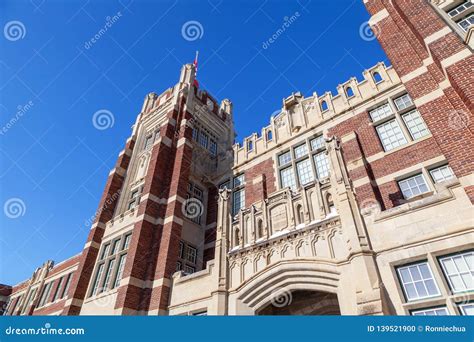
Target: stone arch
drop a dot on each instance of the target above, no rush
(292, 275)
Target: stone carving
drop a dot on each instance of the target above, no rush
(279, 217)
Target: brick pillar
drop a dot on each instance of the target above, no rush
(105, 211)
(435, 66)
(134, 291)
(173, 221)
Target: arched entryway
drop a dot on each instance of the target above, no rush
(302, 302)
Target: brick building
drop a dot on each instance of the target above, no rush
(354, 203)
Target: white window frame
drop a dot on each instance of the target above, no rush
(462, 308)
(459, 273)
(441, 169)
(287, 177)
(238, 205)
(461, 8)
(402, 283)
(430, 311)
(405, 100)
(381, 112)
(109, 270)
(418, 129)
(414, 177)
(397, 124)
(466, 19)
(387, 142)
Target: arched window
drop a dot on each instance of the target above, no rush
(260, 229)
(269, 135)
(324, 106)
(377, 77)
(349, 92)
(250, 145)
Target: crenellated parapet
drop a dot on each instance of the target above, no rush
(300, 114)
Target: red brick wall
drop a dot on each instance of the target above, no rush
(401, 35)
(260, 190)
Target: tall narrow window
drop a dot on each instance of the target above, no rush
(45, 294)
(98, 275)
(238, 194)
(119, 273)
(238, 201)
(203, 139)
(57, 292)
(108, 275)
(66, 285)
(305, 172)
(322, 165)
(213, 147)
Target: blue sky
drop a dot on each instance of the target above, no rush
(54, 161)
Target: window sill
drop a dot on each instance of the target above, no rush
(443, 193)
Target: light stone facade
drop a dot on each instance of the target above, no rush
(359, 203)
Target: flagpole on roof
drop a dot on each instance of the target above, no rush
(196, 83)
